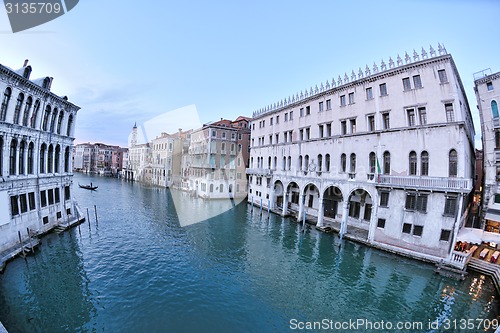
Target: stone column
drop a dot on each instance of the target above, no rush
(321, 213)
(373, 224)
(301, 207)
(285, 203)
(345, 212)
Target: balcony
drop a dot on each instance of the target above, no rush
(428, 183)
(259, 172)
(460, 259)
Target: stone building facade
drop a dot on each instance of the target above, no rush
(36, 141)
(386, 153)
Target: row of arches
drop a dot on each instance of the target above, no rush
(323, 163)
(52, 119)
(23, 156)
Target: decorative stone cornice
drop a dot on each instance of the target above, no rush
(487, 78)
(348, 81)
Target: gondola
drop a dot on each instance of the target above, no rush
(88, 187)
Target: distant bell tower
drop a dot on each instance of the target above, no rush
(133, 142)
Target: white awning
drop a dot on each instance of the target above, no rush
(493, 215)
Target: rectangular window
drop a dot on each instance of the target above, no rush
(308, 133)
(411, 117)
(45, 219)
(443, 78)
(343, 127)
(385, 120)
(301, 134)
(68, 211)
(328, 130)
(67, 194)
(51, 196)
(271, 139)
(381, 223)
(277, 137)
(417, 82)
(286, 116)
(450, 115)
(59, 215)
(277, 119)
(271, 121)
(342, 100)
(497, 198)
(24, 203)
(450, 206)
(320, 130)
(416, 202)
(489, 86)
(371, 123)
(328, 104)
(445, 235)
(422, 113)
(351, 98)
(406, 84)
(383, 89)
(31, 199)
(14, 205)
(301, 112)
(43, 198)
(384, 199)
(417, 230)
(369, 93)
(320, 106)
(308, 110)
(353, 125)
(406, 228)
(291, 115)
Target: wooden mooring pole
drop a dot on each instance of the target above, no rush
(20, 242)
(88, 216)
(95, 211)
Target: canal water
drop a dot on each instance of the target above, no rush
(137, 270)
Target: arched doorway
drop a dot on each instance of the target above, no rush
(360, 208)
(332, 202)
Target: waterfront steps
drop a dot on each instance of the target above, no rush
(486, 268)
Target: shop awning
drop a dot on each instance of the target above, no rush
(493, 215)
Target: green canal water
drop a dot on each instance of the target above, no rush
(138, 270)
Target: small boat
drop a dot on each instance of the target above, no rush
(88, 187)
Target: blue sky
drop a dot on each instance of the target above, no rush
(123, 62)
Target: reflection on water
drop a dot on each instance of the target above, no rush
(138, 270)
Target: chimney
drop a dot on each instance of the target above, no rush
(25, 63)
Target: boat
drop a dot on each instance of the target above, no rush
(88, 187)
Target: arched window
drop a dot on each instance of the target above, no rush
(57, 158)
(211, 188)
(5, 103)
(269, 162)
(34, 114)
(27, 110)
(343, 162)
(70, 123)
(353, 163)
(1, 156)
(221, 188)
(53, 120)
(275, 163)
(300, 163)
(50, 159)
(13, 157)
(59, 122)
(66, 159)
(17, 110)
(30, 158)
(22, 149)
(453, 163)
(46, 118)
(494, 108)
(412, 159)
(283, 167)
(306, 163)
(372, 162)
(424, 160)
(289, 162)
(387, 163)
(43, 148)
(327, 162)
(320, 163)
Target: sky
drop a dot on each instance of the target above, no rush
(129, 62)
